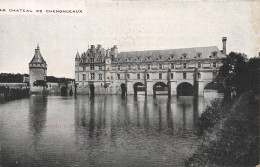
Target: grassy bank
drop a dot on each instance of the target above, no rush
(229, 133)
(7, 94)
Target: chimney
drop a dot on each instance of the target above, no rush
(224, 40)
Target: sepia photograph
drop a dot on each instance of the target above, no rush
(129, 83)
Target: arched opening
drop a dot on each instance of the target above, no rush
(139, 87)
(160, 88)
(185, 89)
(63, 91)
(123, 89)
(213, 89)
(92, 90)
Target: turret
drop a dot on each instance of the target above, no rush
(224, 41)
(114, 52)
(37, 67)
(77, 60)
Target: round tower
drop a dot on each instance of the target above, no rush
(37, 68)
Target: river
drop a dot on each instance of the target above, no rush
(104, 131)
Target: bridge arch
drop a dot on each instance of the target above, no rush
(63, 91)
(185, 89)
(160, 86)
(138, 86)
(214, 86)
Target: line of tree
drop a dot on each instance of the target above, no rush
(239, 74)
(12, 78)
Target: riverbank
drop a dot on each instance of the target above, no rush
(7, 94)
(228, 133)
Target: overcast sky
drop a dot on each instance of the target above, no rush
(132, 25)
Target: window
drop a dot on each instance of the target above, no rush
(92, 75)
(149, 66)
(91, 60)
(147, 76)
(100, 68)
(214, 64)
(171, 75)
(118, 67)
(84, 60)
(160, 66)
(184, 65)
(84, 68)
(91, 67)
(138, 76)
(84, 77)
(198, 75)
(139, 67)
(160, 76)
(100, 76)
(199, 64)
(128, 76)
(129, 67)
(184, 76)
(118, 76)
(100, 60)
(172, 65)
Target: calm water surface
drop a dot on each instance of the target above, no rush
(104, 131)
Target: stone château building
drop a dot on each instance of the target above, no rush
(105, 71)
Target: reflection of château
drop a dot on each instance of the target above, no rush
(172, 70)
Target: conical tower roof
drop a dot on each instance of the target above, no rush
(77, 55)
(37, 58)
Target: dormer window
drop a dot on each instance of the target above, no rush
(118, 67)
(91, 60)
(129, 59)
(199, 55)
(214, 53)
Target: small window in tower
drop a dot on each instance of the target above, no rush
(118, 76)
(118, 67)
(160, 76)
(149, 66)
(160, 66)
(128, 76)
(184, 75)
(171, 75)
(129, 67)
(184, 65)
(147, 76)
(138, 76)
(198, 75)
(100, 68)
(139, 67)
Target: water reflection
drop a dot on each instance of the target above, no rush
(106, 131)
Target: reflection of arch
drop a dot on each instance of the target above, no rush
(63, 91)
(123, 89)
(185, 89)
(214, 86)
(159, 86)
(138, 86)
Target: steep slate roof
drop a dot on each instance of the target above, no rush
(37, 58)
(190, 53)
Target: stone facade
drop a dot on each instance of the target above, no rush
(110, 71)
